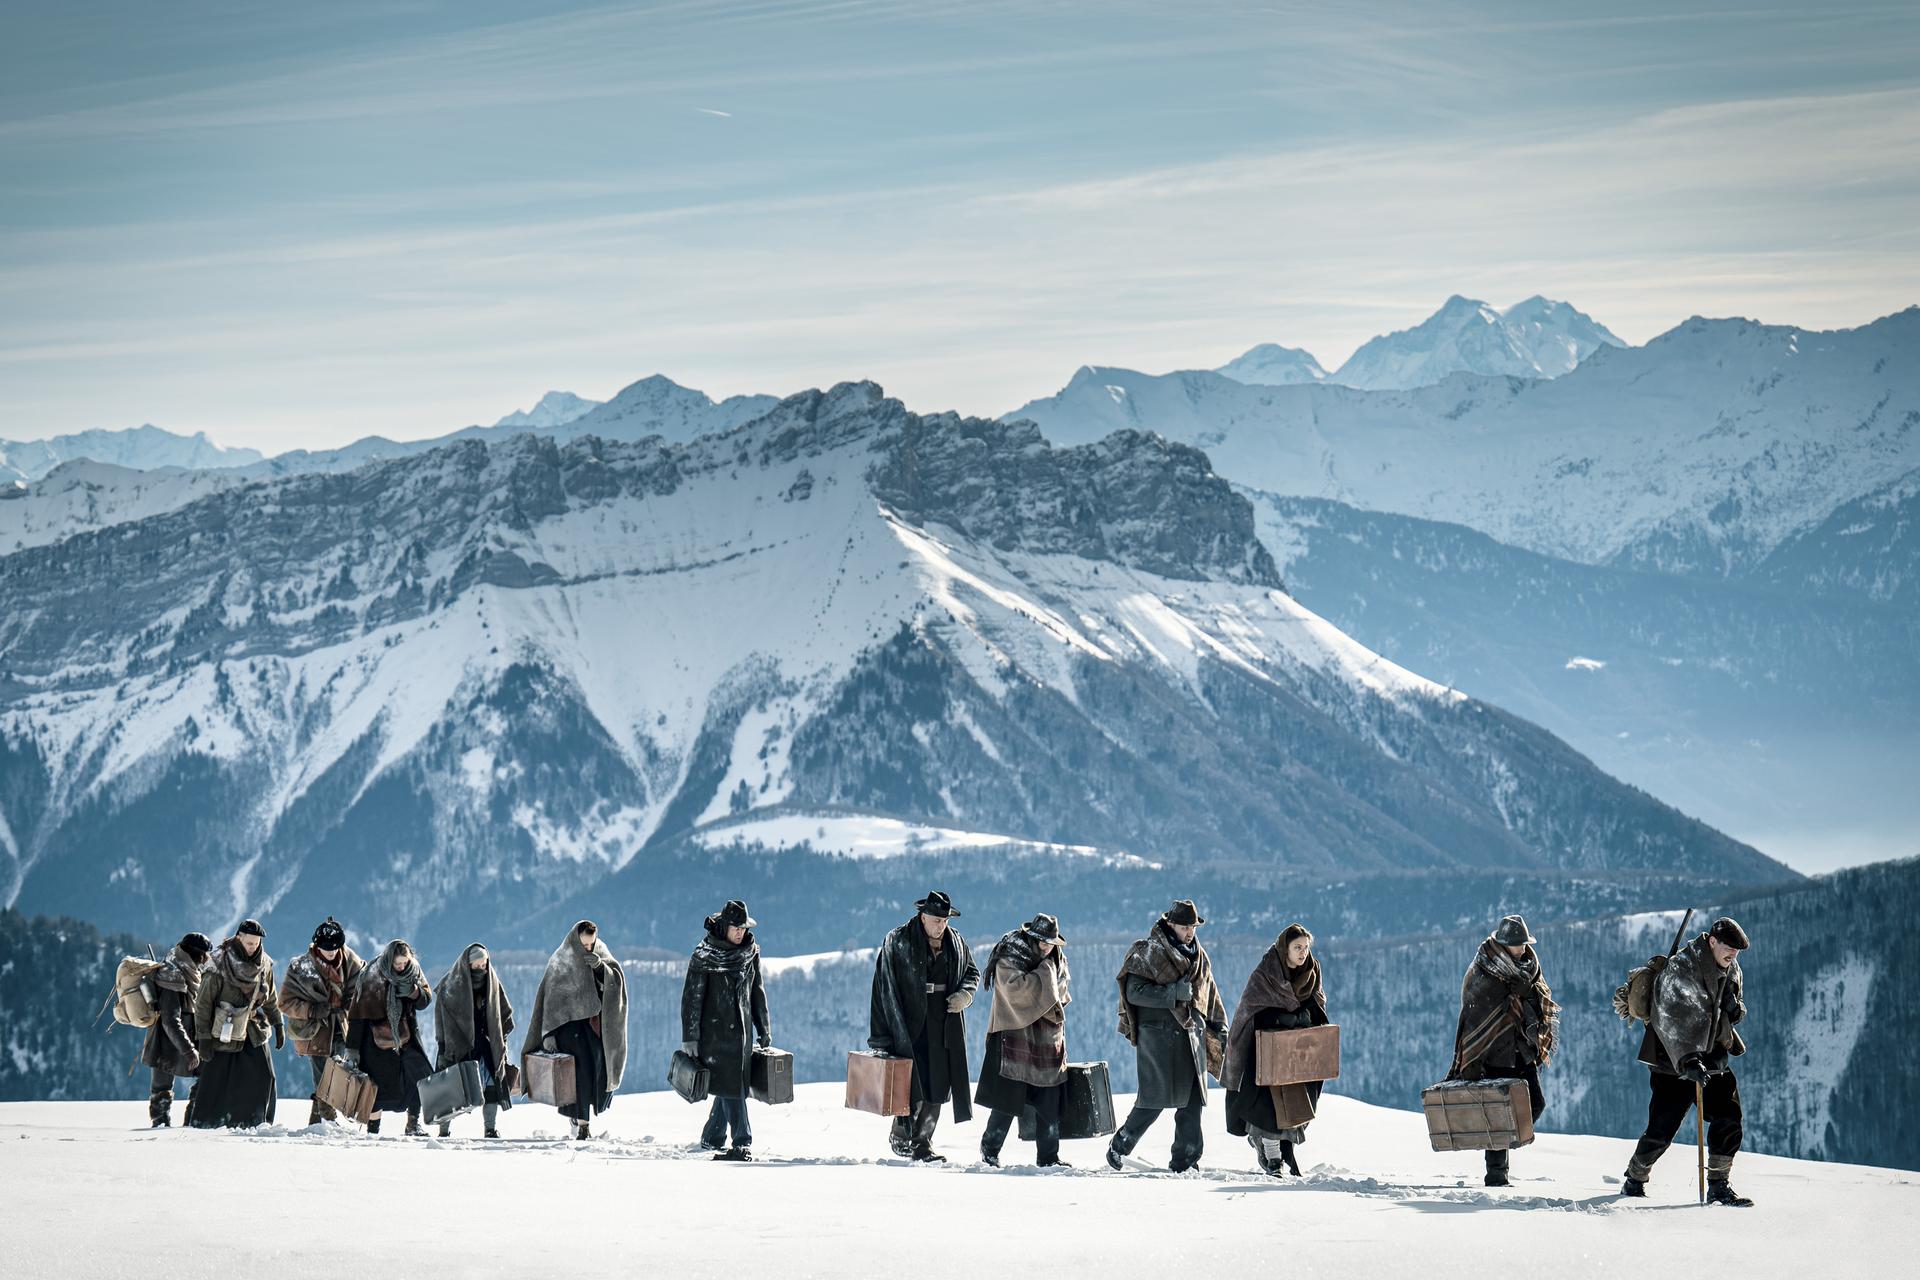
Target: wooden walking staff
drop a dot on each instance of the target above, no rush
(1700, 1135)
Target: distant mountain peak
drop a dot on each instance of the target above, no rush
(556, 408)
(1270, 364)
(1538, 337)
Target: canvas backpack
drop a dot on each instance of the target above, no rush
(133, 999)
(1633, 999)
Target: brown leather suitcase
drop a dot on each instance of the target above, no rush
(1478, 1115)
(1293, 1106)
(350, 1092)
(879, 1085)
(550, 1079)
(1296, 1057)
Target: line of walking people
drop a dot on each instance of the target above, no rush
(218, 1005)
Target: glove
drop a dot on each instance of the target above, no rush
(958, 1001)
(549, 1045)
(765, 1040)
(691, 1048)
(193, 1060)
(1183, 991)
(279, 1035)
(1693, 1068)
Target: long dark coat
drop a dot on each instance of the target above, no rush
(722, 1009)
(1172, 1059)
(1252, 1105)
(169, 1042)
(907, 1021)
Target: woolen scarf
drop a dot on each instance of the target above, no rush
(716, 955)
(399, 986)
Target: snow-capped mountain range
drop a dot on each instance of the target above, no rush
(1537, 338)
(1701, 452)
(141, 448)
(454, 687)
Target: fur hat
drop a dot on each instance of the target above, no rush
(1184, 912)
(1513, 932)
(1728, 930)
(936, 903)
(328, 935)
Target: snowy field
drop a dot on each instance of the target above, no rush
(88, 1191)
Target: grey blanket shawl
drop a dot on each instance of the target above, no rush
(569, 992)
(453, 1014)
(1686, 1003)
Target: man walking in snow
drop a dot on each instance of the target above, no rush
(923, 980)
(169, 1048)
(1171, 1012)
(1508, 1021)
(1690, 1040)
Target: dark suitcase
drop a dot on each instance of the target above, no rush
(772, 1076)
(452, 1092)
(549, 1078)
(688, 1078)
(1086, 1109)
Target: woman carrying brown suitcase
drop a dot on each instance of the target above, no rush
(581, 1011)
(1283, 994)
(383, 1032)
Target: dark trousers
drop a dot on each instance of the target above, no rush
(1497, 1160)
(914, 1132)
(1667, 1108)
(728, 1113)
(1187, 1138)
(1046, 1134)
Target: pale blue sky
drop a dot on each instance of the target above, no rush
(298, 225)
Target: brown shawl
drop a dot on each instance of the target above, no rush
(1030, 1014)
(1161, 959)
(1271, 985)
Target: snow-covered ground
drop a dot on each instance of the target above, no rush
(89, 1191)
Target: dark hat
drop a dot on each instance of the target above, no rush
(1513, 932)
(734, 916)
(1184, 912)
(1044, 927)
(252, 927)
(1728, 930)
(936, 904)
(328, 935)
(197, 945)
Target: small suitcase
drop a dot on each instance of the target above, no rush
(1296, 1057)
(687, 1077)
(549, 1078)
(1478, 1115)
(1086, 1109)
(452, 1092)
(350, 1092)
(772, 1076)
(879, 1085)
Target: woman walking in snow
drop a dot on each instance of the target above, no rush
(383, 1032)
(723, 1005)
(581, 1010)
(1025, 1064)
(471, 1020)
(1283, 993)
(232, 1013)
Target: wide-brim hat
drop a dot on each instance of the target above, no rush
(1044, 927)
(734, 915)
(1184, 912)
(936, 904)
(1513, 932)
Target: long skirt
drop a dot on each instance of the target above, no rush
(396, 1073)
(583, 1044)
(235, 1090)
